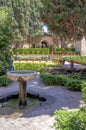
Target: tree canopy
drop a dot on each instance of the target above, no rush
(66, 18)
(25, 16)
(6, 36)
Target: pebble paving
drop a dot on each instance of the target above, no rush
(41, 118)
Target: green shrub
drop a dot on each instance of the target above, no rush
(84, 94)
(38, 51)
(65, 120)
(76, 59)
(4, 61)
(55, 59)
(44, 51)
(74, 76)
(74, 84)
(64, 51)
(50, 79)
(37, 66)
(72, 81)
(6, 36)
(61, 80)
(4, 80)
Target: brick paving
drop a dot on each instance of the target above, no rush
(41, 118)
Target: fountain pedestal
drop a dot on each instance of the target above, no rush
(22, 77)
(22, 93)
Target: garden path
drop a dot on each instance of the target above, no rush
(41, 118)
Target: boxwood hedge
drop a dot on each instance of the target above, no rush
(72, 120)
(4, 80)
(84, 94)
(37, 66)
(72, 81)
(31, 51)
(43, 51)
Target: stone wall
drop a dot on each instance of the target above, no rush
(83, 46)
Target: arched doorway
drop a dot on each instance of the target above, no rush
(44, 44)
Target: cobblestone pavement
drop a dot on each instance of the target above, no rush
(41, 118)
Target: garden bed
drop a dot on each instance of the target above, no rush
(74, 82)
(4, 80)
(76, 59)
(36, 66)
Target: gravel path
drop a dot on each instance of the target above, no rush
(41, 118)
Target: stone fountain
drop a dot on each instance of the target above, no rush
(22, 76)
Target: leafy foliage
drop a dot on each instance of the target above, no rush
(66, 18)
(76, 59)
(64, 51)
(84, 93)
(25, 15)
(5, 40)
(35, 24)
(37, 66)
(71, 81)
(4, 80)
(31, 51)
(49, 79)
(4, 61)
(65, 120)
(5, 29)
(43, 51)
(75, 85)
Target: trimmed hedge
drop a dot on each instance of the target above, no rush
(84, 94)
(64, 51)
(50, 79)
(71, 82)
(4, 80)
(43, 51)
(72, 120)
(56, 60)
(76, 59)
(31, 51)
(75, 84)
(37, 66)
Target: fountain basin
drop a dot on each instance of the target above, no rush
(24, 75)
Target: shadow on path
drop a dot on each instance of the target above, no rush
(57, 98)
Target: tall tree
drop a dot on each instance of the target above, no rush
(5, 39)
(67, 18)
(25, 17)
(35, 23)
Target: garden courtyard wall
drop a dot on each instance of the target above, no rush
(80, 46)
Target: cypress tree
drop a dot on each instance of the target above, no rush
(5, 39)
(25, 16)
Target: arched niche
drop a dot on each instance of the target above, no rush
(44, 44)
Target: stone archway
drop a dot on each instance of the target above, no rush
(44, 44)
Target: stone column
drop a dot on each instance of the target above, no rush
(83, 46)
(22, 93)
